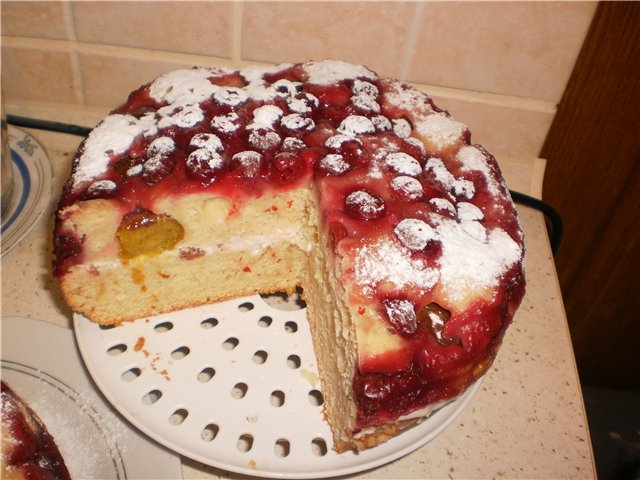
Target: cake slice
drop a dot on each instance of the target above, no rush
(209, 184)
(28, 449)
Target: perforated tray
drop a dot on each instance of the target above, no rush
(233, 385)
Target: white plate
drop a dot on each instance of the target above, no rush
(41, 364)
(33, 179)
(233, 385)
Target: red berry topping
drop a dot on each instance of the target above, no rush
(337, 232)
(363, 205)
(287, 167)
(100, 189)
(264, 139)
(160, 161)
(333, 164)
(246, 164)
(414, 234)
(407, 188)
(402, 315)
(203, 164)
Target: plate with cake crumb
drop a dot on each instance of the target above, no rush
(41, 365)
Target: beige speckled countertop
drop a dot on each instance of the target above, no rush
(526, 421)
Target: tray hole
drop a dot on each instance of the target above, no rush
(152, 397)
(282, 448)
(117, 349)
(230, 343)
(246, 307)
(260, 357)
(178, 417)
(277, 398)
(239, 390)
(209, 323)
(252, 418)
(209, 432)
(180, 353)
(131, 374)
(319, 447)
(293, 361)
(163, 327)
(265, 321)
(245, 442)
(291, 327)
(315, 398)
(284, 301)
(206, 374)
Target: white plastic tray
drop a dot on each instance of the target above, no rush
(233, 385)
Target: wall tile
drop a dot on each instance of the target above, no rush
(503, 130)
(375, 34)
(186, 27)
(525, 49)
(34, 19)
(107, 80)
(37, 74)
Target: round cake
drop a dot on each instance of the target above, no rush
(28, 449)
(209, 184)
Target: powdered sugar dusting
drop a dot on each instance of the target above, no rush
(207, 140)
(469, 263)
(366, 204)
(183, 86)
(382, 123)
(403, 164)
(295, 121)
(388, 261)
(414, 234)
(473, 158)
(111, 137)
(356, 125)
(334, 164)
(302, 103)
(443, 204)
(249, 161)
(401, 127)
(440, 129)
(469, 212)
(231, 95)
(459, 187)
(332, 71)
(336, 141)
(102, 186)
(402, 315)
(227, 123)
(409, 187)
(183, 116)
(265, 116)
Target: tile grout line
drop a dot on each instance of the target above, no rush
(76, 68)
(236, 30)
(412, 40)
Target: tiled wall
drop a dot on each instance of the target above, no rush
(499, 67)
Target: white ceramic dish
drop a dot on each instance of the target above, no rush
(41, 363)
(33, 179)
(233, 385)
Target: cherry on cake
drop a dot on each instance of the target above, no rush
(28, 449)
(209, 184)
